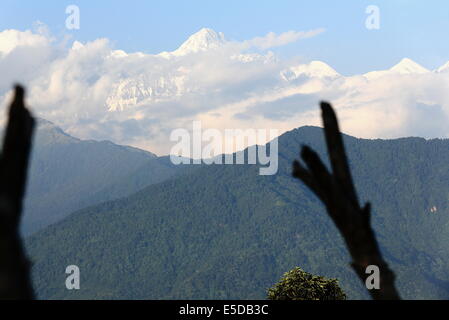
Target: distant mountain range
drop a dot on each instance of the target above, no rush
(225, 232)
(143, 89)
(67, 174)
(139, 98)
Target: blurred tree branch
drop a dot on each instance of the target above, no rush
(15, 282)
(336, 190)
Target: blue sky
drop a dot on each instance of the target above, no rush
(414, 29)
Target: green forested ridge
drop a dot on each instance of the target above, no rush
(224, 232)
(67, 174)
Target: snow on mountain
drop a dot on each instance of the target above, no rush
(405, 66)
(130, 92)
(443, 68)
(203, 40)
(168, 82)
(314, 69)
(174, 78)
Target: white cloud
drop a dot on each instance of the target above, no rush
(272, 40)
(93, 91)
(12, 39)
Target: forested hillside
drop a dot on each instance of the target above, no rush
(225, 232)
(67, 174)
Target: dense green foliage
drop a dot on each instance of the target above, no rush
(67, 174)
(225, 232)
(300, 285)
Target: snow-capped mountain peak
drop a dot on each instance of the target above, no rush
(407, 66)
(202, 40)
(321, 69)
(443, 68)
(314, 69)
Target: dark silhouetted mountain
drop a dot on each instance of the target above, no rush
(225, 232)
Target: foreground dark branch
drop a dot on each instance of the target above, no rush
(336, 190)
(14, 267)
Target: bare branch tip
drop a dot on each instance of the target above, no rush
(326, 106)
(19, 92)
